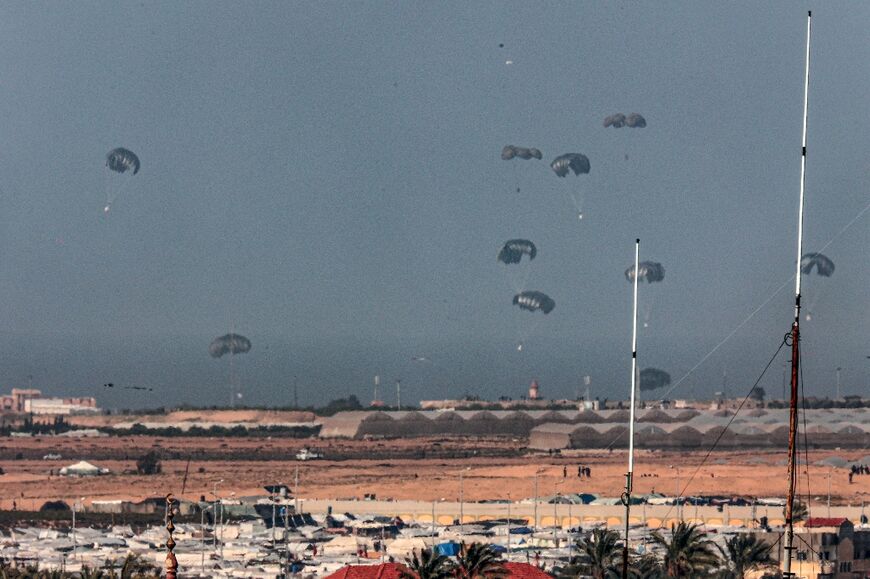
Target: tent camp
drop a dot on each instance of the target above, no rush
(83, 468)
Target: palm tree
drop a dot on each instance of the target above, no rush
(478, 560)
(799, 511)
(428, 565)
(135, 567)
(600, 554)
(688, 553)
(744, 553)
(646, 567)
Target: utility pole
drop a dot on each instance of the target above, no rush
(537, 472)
(557, 497)
(838, 382)
(509, 526)
(286, 540)
(556, 521)
(214, 512)
(296, 491)
(74, 529)
(461, 503)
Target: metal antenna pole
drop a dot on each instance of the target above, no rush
(377, 383)
(295, 393)
(626, 496)
(788, 546)
(838, 382)
(398, 394)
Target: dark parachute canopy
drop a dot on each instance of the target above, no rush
(513, 249)
(649, 271)
(619, 120)
(653, 379)
(635, 120)
(824, 266)
(229, 344)
(616, 120)
(511, 151)
(564, 164)
(534, 300)
(122, 160)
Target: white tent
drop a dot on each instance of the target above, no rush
(83, 468)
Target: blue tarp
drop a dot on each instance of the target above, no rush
(521, 531)
(447, 549)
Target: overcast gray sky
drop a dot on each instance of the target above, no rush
(325, 177)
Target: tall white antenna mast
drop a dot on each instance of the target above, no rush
(626, 496)
(788, 546)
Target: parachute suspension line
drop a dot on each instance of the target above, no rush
(626, 496)
(767, 367)
(788, 546)
(528, 330)
(232, 377)
(232, 386)
(812, 305)
(576, 200)
(126, 164)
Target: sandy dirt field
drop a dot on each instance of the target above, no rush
(418, 469)
(226, 416)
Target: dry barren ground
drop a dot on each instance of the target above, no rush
(422, 469)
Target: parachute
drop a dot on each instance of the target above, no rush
(653, 379)
(617, 120)
(650, 271)
(564, 164)
(534, 300)
(118, 162)
(635, 120)
(514, 249)
(578, 164)
(122, 160)
(229, 344)
(824, 266)
(511, 151)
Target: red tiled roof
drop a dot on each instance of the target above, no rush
(394, 571)
(823, 522)
(382, 571)
(525, 571)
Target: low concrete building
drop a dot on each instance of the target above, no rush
(553, 436)
(15, 401)
(826, 548)
(61, 406)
